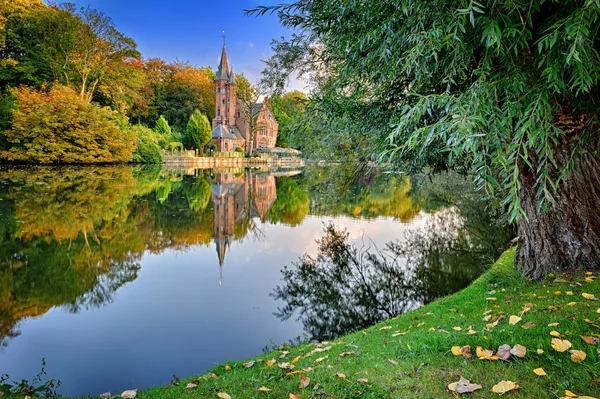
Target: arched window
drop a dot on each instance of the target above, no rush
(219, 112)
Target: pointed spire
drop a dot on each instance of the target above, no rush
(231, 77)
(223, 71)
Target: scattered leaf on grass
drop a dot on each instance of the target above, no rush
(395, 363)
(503, 352)
(466, 351)
(588, 296)
(320, 359)
(270, 362)
(570, 394)
(456, 351)
(485, 354)
(386, 328)
(514, 320)
(363, 380)
(504, 386)
(228, 367)
(264, 389)
(571, 303)
(250, 364)
(590, 340)
(343, 354)
(292, 396)
(540, 372)
(191, 385)
(457, 328)
(560, 345)
(519, 351)
(555, 333)
(463, 386)
(528, 325)
(287, 366)
(296, 359)
(553, 324)
(223, 395)
(540, 351)
(340, 375)
(304, 382)
(577, 356)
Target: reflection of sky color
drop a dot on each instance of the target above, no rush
(175, 318)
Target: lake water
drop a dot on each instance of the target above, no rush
(121, 277)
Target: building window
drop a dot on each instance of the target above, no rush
(226, 146)
(223, 101)
(219, 112)
(223, 90)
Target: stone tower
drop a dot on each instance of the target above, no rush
(225, 90)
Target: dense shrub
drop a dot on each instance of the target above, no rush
(147, 150)
(56, 126)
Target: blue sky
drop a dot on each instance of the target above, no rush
(192, 30)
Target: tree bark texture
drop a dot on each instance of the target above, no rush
(566, 238)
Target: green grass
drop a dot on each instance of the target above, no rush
(425, 364)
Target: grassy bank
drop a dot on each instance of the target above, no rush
(410, 356)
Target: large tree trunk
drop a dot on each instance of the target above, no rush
(566, 237)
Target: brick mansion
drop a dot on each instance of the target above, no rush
(231, 127)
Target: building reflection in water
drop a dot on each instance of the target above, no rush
(239, 197)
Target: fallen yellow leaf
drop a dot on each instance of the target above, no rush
(577, 356)
(228, 367)
(569, 292)
(555, 333)
(485, 354)
(557, 293)
(421, 324)
(343, 354)
(223, 395)
(296, 359)
(264, 389)
(292, 396)
(540, 351)
(269, 362)
(528, 325)
(340, 375)
(395, 363)
(386, 328)
(321, 359)
(560, 345)
(588, 296)
(540, 372)
(456, 351)
(598, 310)
(514, 320)
(571, 303)
(553, 324)
(570, 394)
(504, 386)
(457, 328)
(250, 364)
(363, 380)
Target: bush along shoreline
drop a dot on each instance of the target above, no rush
(502, 334)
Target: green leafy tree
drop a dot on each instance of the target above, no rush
(289, 110)
(507, 90)
(148, 149)
(198, 132)
(164, 132)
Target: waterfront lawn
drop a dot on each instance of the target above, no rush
(410, 356)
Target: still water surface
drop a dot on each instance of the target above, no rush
(121, 277)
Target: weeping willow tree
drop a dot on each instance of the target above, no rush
(506, 89)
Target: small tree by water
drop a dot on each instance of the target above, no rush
(197, 133)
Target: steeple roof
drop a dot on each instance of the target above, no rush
(223, 71)
(232, 78)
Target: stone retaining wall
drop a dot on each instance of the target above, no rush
(210, 162)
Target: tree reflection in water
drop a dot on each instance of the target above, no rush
(346, 288)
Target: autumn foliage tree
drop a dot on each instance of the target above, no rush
(57, 126)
